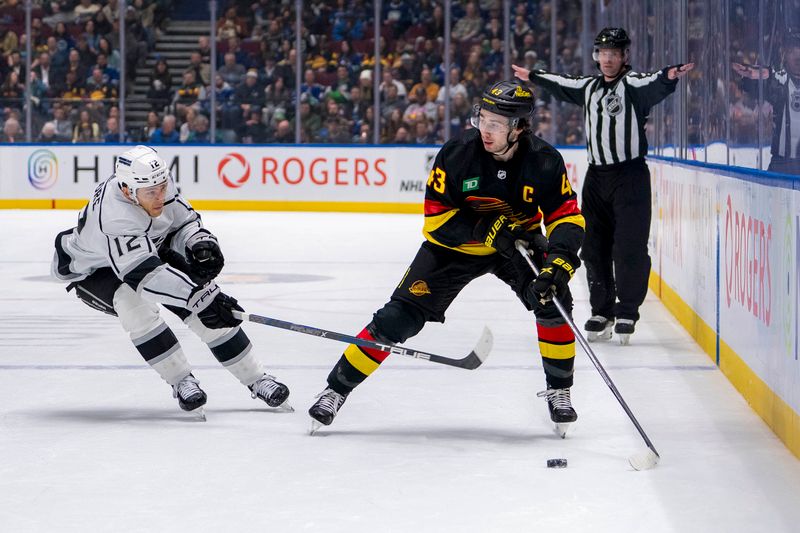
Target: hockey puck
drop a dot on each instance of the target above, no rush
(556, 463)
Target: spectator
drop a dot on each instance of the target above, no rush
(188, 125)
(231, 71)
(48, 134)
(112, 132)
(200, 133)
(90, 36)
(150, 127)
(422, 134)
(166, 134)
(253, 131)
(202, 71)
(456, 87)
(104, 46)
(109, 73)
(284, 133)
(12, 91)
(401, 137)
(159, 93)
(98, 87)
(391, 102)
(249, 95)
(388, 79)
(426, 82)
(85, 10)
(311, 88)
(189, 94)
(62, 124)
(420, 108)
(43, 69)
(469, 26)
(12, 132)
(86, 130)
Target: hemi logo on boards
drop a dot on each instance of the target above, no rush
(233, 170)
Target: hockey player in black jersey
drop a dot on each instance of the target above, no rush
(138, 243)
(489, 187)
(616, 192)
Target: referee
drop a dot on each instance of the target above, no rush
(782, 90)
(616, 191)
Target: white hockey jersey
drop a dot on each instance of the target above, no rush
(114, 232)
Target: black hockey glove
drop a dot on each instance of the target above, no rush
(499, 232)
(204, 256)
(213, 307)
(552, 279)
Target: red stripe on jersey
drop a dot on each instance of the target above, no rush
(568, 208)
(377, 355)
(432, 207)
(555, 335)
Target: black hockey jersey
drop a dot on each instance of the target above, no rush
(532, 188)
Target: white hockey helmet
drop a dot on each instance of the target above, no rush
(139, 168)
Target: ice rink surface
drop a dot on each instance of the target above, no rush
(92, 440)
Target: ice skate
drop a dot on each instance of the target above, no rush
(273, 393)
(598, 328)
(561, 412)
(324, 410)
(190, 396)
(624, 329)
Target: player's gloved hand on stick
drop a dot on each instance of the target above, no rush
(552, 279)
(205, 257)
(213, 307)
(498, 232)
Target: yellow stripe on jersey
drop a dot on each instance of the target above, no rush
(360, 361)
(557, 351)
(572, 219)
(434, 222)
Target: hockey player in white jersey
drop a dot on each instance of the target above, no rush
(138, 243)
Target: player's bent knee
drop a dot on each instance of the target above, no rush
(396, 322)
(137, 315)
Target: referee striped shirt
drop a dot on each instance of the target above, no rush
(783, 92)
(615, 112)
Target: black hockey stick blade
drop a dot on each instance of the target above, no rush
(471, 361)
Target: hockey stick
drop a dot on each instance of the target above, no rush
(471, 361)
(639, 461)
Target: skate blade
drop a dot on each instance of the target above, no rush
(285, 407)
(594, 336)
(200, 412)
(561, 428)
(624, 338)
(314, 427)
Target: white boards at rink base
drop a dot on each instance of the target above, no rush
(725, 242)
(296, 178)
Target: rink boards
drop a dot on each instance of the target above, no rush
(725, 244)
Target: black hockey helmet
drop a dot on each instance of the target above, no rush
(508, 99)
(612, 38)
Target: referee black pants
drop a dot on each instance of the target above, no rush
(616, 207)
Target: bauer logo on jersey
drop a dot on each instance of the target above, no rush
(470, 184)
(613, 104)
(419, 288)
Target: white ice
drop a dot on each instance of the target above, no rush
(91, 439)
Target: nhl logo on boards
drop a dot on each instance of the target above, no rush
(501, 174)
(419, 288)
(613, 104)
(794, 100)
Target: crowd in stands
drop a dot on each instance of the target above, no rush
(75, 79)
